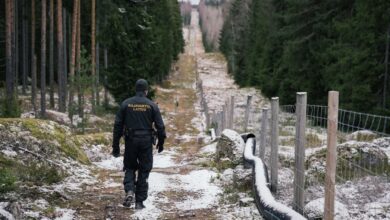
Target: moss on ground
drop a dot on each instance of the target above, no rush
(31, 173)
(7, 181)
(312, 140)
(220, 165)
(349, 165)
(95, 139)
(40, 129)
(366, 137)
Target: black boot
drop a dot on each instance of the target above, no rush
(139, 205)
(129, 198)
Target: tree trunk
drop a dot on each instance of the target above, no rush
(97, 71)
(93, 54)
(9, 59)
(73, 58)
(25, 47)
(51, 53)
(105, 77)
(78, 57)
(34, 60)
(97, 60)
(60, 63)
(16, 46)
(43, 59)
(65, 30)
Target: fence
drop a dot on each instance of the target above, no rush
(328, 153)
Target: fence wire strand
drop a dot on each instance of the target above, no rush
(360, 160)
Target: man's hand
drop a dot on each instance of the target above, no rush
(160, 145)
(116, 151)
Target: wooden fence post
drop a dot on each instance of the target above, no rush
(231, 116)
(219, 123)
(226, 114)
(331, 155)
(263, 132)
(207, 115)
(247, 111)
(223, 118)
(274, 142)
(300, 139)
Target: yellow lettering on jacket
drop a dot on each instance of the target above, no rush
(139, 107)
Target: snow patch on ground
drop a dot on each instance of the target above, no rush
(315, 210)
(9, 153)
(199, 182)
(111, 163)
(209, 149)
(5, 213)
(65, 214)
(157, 183)
(111, 183)
(164, 160)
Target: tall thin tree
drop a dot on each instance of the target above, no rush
(9, 67)
(60, 59)
(78, 57)
(93, 54)
(33, 57)
(25, 46)
(97, 57)
(73, 57)
(16, 46)
(65, 47)
(51, 53)
(105, 77)
(43, 58)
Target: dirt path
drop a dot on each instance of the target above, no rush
(180, 185)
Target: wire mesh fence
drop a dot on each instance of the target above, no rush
(362, 165)
(361, 182)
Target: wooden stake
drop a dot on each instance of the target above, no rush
(274, 142)
(331, 155)
(300, 139)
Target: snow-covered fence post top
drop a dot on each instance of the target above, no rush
(300, 140)
(268, 207)
(274, 142)
(263, 132)
(247, 111)
(331, 155)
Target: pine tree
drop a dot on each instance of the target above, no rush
(73, 58)
(33, 59)
(51, 53)
(93, 54)
(43, 58)
(60, 59)
(10, 101)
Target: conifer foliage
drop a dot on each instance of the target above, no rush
(50, 40)
(286, 46)
(143, 39)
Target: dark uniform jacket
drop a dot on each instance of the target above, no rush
(136, 116)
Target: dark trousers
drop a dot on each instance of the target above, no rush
(138, 157)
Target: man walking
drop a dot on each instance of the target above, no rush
(135, 120)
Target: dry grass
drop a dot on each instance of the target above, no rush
(178, 119)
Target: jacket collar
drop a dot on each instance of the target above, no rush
(140, 94)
